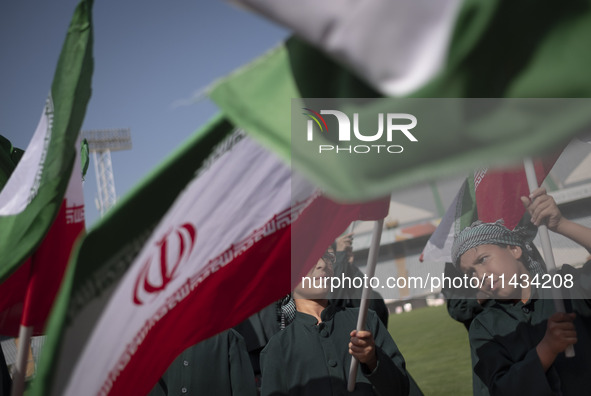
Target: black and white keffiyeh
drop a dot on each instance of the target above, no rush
(496, 233)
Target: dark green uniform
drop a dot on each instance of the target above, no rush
(217, 366)
(463, 307)
(503, 339)
(311, 359)
(257, 330)
(462, 304)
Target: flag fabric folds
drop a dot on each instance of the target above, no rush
(202, 243)
(470, 48)
(41, 203)
(486, 195)
(26, 296)
(409, 50)
(492, 53)
(31, 198)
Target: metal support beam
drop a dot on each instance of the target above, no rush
(101, 143)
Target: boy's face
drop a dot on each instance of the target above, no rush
(495, 266)
(319, 272)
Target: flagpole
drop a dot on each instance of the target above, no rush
(18, 376)
(530, 173)
(351, 227)
(25, 334)
(371, 267)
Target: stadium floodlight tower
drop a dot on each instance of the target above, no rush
(101, 143)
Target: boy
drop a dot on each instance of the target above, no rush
(517, 342)
(311, 357)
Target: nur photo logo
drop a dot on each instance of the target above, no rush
(393, 125)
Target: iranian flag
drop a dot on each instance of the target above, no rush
(27, 295)
(220, 230)
(41, 204)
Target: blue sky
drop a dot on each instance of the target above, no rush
(151, 58)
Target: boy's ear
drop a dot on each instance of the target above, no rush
(515, 251)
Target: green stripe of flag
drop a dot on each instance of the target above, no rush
(499, 50)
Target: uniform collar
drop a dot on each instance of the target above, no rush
(326, 315)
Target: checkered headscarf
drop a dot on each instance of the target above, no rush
(496, 233)
(286, 311)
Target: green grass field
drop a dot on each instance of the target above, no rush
(436, 350)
